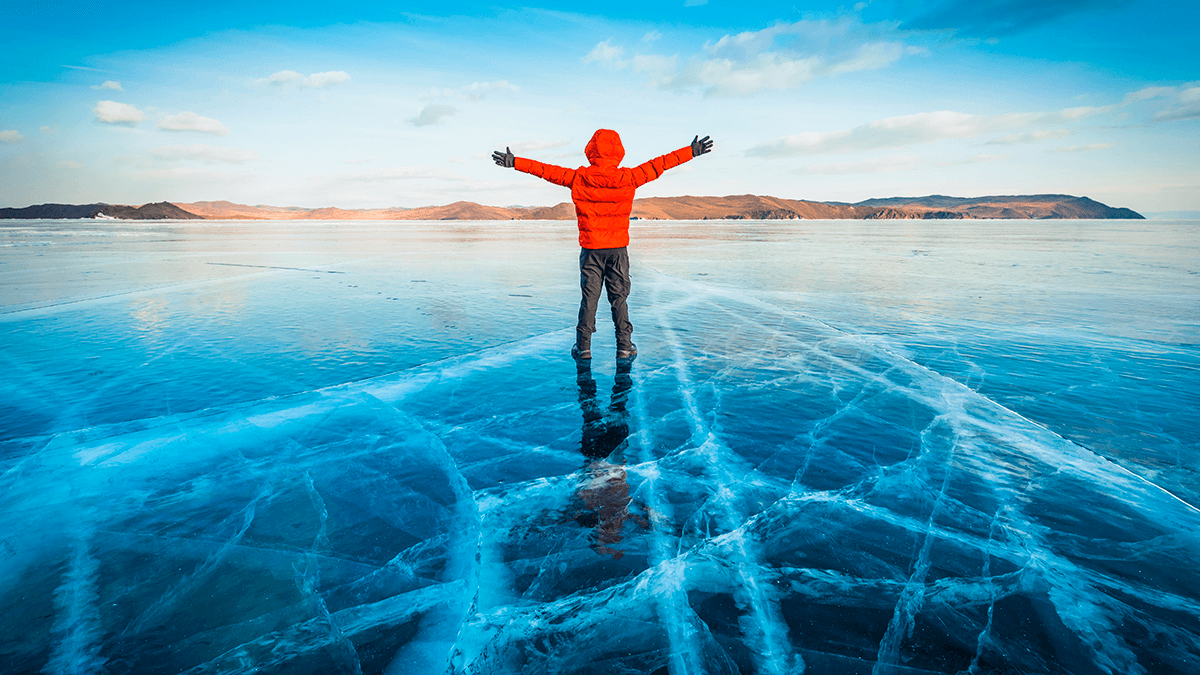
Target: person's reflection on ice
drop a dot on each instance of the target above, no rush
(603, 489)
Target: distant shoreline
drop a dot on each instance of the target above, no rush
(733, 207)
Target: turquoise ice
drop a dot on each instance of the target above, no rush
(845, 447)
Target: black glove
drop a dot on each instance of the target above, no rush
(506, 159)
(701, 146)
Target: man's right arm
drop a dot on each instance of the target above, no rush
(550, 172)
(555, 174)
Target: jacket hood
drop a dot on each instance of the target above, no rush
(605, 148)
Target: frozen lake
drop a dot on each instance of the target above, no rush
(362, 447)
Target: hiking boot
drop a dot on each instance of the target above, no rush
(578, 353)
(627, 352)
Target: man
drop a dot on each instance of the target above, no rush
(603, 196)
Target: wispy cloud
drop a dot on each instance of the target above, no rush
(784, 56)
(190, 121)
(109, 84)
(10, 136)
(90, 70)
(111, 112)
(606, 52)
(434, 113)
(399, 173)
(472, 92)
(906, 130)
(68, 164)
(47, 129)
(192, 175)
(208, 154)
(535, 146)
(1147, 93)
(282, 77)
(1185, 106)
(1031, 136)
(316, 80)
(326, 79)
(891, 164)
(1083, 148)
(874, 165)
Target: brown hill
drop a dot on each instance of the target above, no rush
(889, 213)
(222, 210)
(52, 212)
(457, 211)
(561, 211)
(1006, 206)
(732, 207)
(739, 207)
(156, 211)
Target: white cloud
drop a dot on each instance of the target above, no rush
(905, 130)
(1176, 114)
(111, 112)
(472, 92)
(534, 146)
(47, 129)
(891, 164)
(10, 136)
(190, 121)
(399, 173)
(498, 85)
(876, 165)
(605, 52)
(1184, 101)
(1187, 106)
(280, 78)
(773, 70)
(1083, 148)
(784, 56)
(1031, 136)
(93, 70)
(109, 84)
(434, 113)
(1147, 93)
(653, 63)
(193, 175)
(204, 153)
(315, 80)
(871, 56)
(326, 79)
(977, 159)
(652, 36)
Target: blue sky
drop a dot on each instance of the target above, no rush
(311, 104)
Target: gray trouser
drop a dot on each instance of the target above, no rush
(607, 267)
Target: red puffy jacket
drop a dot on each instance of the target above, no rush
(603, 192)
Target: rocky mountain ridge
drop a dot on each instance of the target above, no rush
(101, 211)
(731, 207)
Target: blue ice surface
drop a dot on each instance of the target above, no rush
(361, 447)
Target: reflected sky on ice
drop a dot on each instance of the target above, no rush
(845, 447)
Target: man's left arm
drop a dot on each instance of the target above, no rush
(648, 171)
